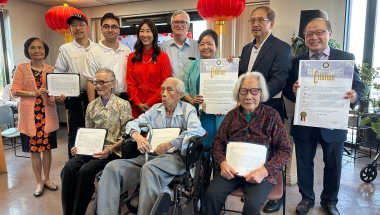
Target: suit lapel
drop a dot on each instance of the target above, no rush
(333, 54)
(267, 45)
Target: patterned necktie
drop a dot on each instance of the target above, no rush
(317, 56)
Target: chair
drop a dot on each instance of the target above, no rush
(278, 191)
(12, 132)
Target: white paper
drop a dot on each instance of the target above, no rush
(320, 100)
(67, 84)
(217, 81)
(162, 135)
(245, 157)
(90, 140)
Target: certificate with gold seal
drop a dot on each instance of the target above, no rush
(67, 84)
(217, 81)
(319, 100)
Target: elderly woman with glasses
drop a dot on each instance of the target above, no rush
(106, 111)
(251, 122)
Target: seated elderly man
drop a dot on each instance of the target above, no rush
(121, 175)
(252, 122)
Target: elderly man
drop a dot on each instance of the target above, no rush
(154, 175)
(271, 57)
(317, 34)
(181, 49)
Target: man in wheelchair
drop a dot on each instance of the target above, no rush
(121, 175)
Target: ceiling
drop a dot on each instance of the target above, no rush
(81, 3)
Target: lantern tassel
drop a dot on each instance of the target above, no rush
(220, 25)
(68, 37)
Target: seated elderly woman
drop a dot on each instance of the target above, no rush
(106, 111)
(153, 176)
(252, 122)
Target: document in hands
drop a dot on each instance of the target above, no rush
(162, 135)
(245, 157)
(90, 140)
(67, 84)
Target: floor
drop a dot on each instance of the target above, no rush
(17, 187)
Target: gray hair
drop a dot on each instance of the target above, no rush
(262, 85)
(107, 71)
(180, 12)
(179, 85)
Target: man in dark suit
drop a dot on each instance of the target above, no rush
(271, 57)
(268, 55)
(317, 34)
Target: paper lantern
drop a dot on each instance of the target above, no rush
(56, 19)
(220, 11)
(3, 1)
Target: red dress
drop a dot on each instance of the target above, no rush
(144, 79)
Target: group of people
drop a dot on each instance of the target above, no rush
(159, 85)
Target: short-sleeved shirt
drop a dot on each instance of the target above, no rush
(180, 56)
(101, 56)
(72, 59)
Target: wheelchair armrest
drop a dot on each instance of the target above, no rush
(126, 136)
(196, 138)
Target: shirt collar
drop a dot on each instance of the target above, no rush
(326, 52)
(177, 110)
(149, 52)
(105, 48)
(254, 42)
(80, 46)
(187, 41)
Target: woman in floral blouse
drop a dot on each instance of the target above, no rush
(106, 111)
(251, 122)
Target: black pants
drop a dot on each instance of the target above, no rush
(78, 177)
(77, 112)
(216, 194)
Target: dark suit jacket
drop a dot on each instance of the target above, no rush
(274, 62)
(303, 132)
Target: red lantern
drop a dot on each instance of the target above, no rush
(3, 1)
(220, 11)
(56, 19)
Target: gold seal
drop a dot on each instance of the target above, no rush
(204, 105)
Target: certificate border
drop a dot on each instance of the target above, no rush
(104, 141)
(64, 74)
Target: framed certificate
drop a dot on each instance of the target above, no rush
(67, 84)
(90, 140)
(245, 157)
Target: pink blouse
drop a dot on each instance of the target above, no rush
(24, 80)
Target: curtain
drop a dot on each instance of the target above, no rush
(238, 33)
(96, 30)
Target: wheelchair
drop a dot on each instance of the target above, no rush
(188, 188)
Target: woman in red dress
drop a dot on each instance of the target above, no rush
(147, 68)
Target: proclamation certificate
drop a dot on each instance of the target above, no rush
(245, 157)
(67, 84)
(320, 100)
(162, 135)
(90, 140)
(217, 81)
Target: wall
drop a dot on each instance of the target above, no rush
(26, 20)
(288, 16)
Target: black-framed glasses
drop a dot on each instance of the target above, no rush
(318, 32)
(179, 23)
(253, 91)
(113, 27)
(78, 25)
(259, 20)
(100, 82)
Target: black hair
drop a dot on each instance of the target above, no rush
(139, 45)
(109, 16)
(211, 33)
(27, 44)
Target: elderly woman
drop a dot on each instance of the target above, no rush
(147, 68)
(207, 45)
(121, 175)
(250, 122)
(38, 120)
(106, 111)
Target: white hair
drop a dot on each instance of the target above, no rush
(262, 85)
(180, 12)
(179, 85)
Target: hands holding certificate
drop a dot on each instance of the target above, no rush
(100, 155)
(255, 176)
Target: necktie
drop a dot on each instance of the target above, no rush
(317, 56)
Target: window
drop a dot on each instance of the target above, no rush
(357, 29)
(6, 60)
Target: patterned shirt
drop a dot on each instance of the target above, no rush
(114, 116)
(265, 127)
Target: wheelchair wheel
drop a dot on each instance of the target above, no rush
(368, 173)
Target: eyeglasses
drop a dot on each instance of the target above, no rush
(100, 82)
(319, 32)
(79, 26)
(113, 27)
(259, 20)
(253, 91)
(179, 22)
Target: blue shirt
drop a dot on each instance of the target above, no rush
(179, 57)
(184, 117)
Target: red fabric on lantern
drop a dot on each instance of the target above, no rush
(3, 1)
(220, 10)
(56, 18)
